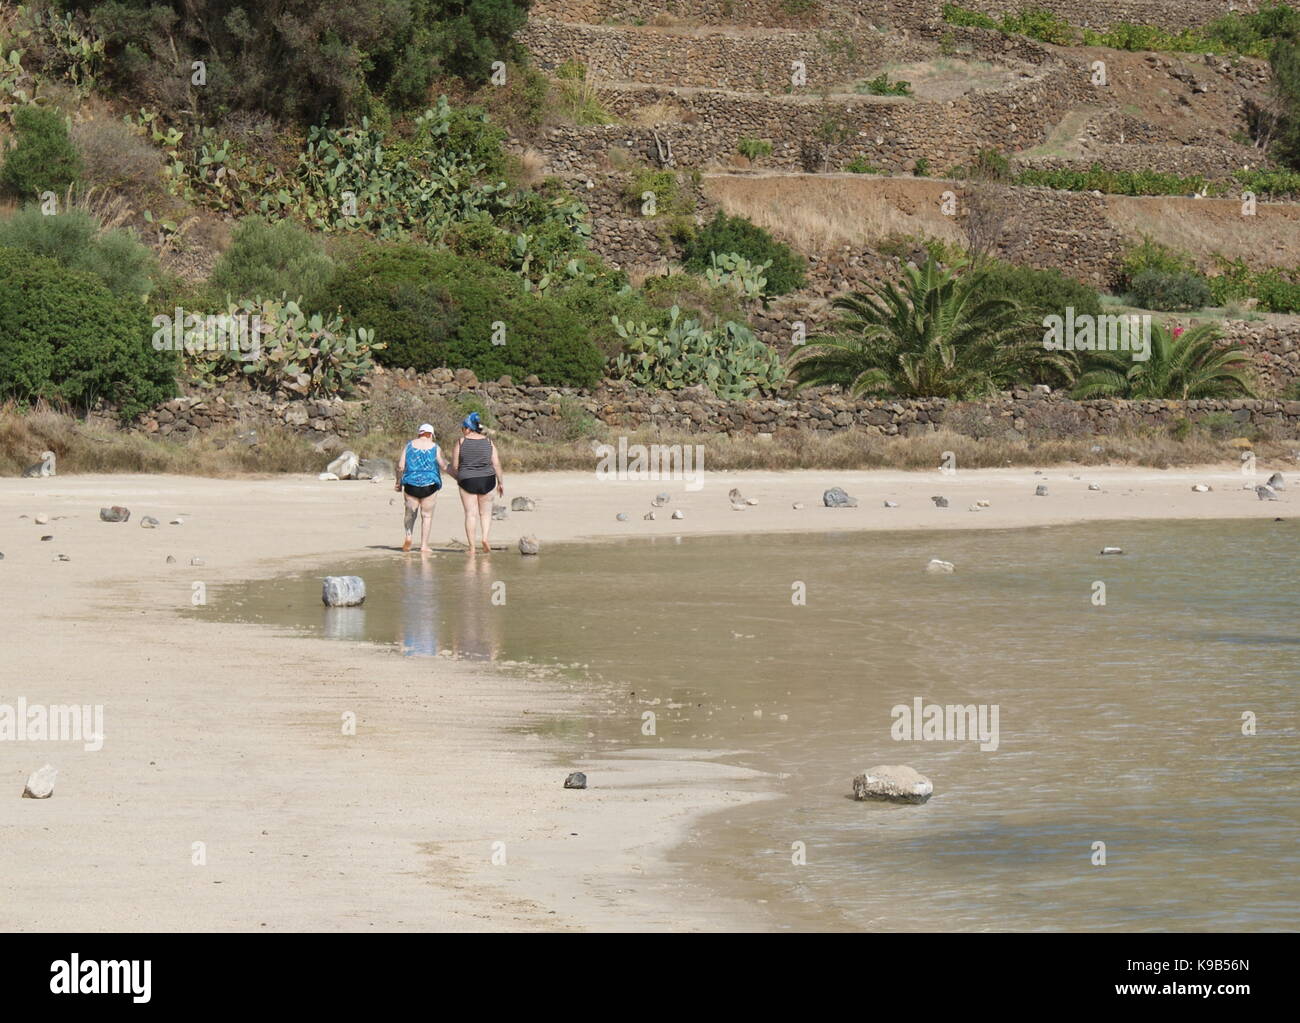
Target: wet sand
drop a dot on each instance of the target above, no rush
(231, 736)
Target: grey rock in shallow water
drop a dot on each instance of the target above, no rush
(837, 498)
(115, 514)
(40, 784)
(1112, 550)
(577, 780)
(940, 502)
(1276, 481)
(522, 504)
(529, 545)
(343, 591)
(899, 784)
(148, 522)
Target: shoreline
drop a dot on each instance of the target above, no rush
(229, 734)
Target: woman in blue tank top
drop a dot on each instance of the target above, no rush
(419, 478)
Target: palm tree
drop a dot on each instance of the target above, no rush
(1182, 364)
(933, 335)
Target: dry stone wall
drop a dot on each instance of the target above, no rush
(840, 13)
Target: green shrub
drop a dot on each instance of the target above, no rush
(859, 165)
(882, 86)
(594, 305)
(990, 165)
(1098, 179)
(1042, 292)
(433, 309)
(922, 167)
(1169, 292)
(725, 234)
(711, 306)
(751, 148)
(74, 239)
(68, 339)
(671, 194)
(272, 260)
(301, 59)
(1151, 255)
(41, 157)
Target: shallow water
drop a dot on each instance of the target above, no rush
(1119, 724)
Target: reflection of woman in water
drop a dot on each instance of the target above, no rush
(419, 477)
(420, 614)
(477, 469)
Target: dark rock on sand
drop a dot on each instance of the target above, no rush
(529, 545)
(115, 514)
(1040, 490)
(940, 502)
(837, 498)
(375, 469)
(1266, 493)
(577, 780)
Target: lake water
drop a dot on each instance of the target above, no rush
(1118, 723)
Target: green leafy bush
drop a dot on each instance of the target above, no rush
(724, 234)
(737, 274)
(299, 59)
(433, 309)
(268, 260)
(75, 240)
(1169, 292)
(1041, 292)
(729, 360)
(751, 148)
(1151, 255)
(670, 194)
(68, 339)
(1098, 179)
(41, 157)
(882, 86)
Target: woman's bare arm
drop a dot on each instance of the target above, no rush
(496, 468)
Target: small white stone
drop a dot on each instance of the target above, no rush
(40, 784)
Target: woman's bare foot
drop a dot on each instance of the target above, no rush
(426, 550)
(406, 545)
(487, 548)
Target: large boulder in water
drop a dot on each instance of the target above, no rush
(343, 591)
(899, 784)
(837, 498)
(529, 545)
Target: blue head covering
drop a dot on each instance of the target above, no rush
(472, 422)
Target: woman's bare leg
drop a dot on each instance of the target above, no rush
(470, 503)
(485, 517)
(426, 522)
(408, 518)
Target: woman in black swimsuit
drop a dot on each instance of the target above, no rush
(477, 469)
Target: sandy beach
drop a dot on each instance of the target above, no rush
(230, 735)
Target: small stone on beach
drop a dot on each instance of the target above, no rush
(115, 514)
(621, 516)
(837, 498)
(576, 780)
(939, 502)
(40, 783)
(1040, 490)
(679, 514)
(343, 591)
(529, 545)
(1112, 550)
(148, 522)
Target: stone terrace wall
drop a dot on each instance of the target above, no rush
(541, 411)
(839, 13)
(714, 59)
(891, 134)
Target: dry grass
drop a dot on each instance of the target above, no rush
(567, 444)
(821, 213)
(1205, 226)
(659, 112)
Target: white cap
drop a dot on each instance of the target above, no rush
(425, 428)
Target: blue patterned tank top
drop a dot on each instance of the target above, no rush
(421, 467)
